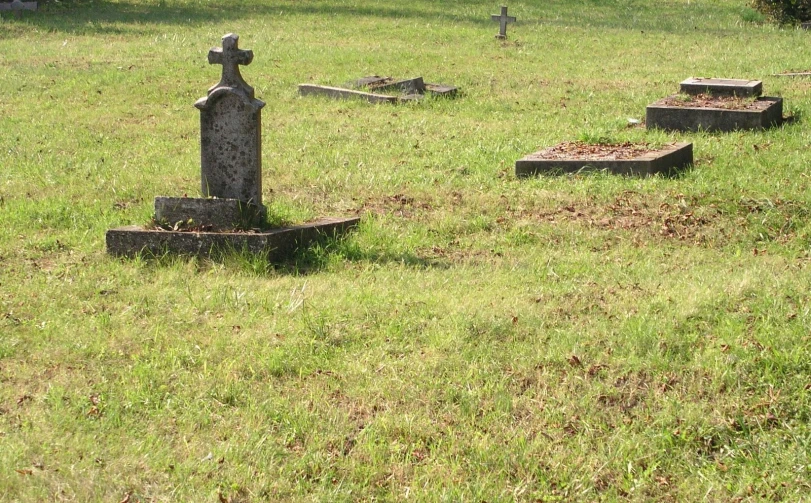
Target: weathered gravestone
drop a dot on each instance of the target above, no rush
(18, 6)
(230, 215)
(502, 19)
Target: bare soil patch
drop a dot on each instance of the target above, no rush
(671, 218)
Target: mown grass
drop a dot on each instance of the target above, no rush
(479, 338)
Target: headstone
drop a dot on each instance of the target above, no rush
(502, 19)
(18, 6)
(231, 130)
(230, 215)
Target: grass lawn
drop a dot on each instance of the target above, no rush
(480, 337)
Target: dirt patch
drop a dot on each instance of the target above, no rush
(399, 205)
(578, 150)
(672, 218)
(713, 101)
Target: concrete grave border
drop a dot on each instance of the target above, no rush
(279, 244)
(369, 89)
(711, 119)
(667, 161)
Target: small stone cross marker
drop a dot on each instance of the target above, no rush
(503, 19)
(230, 56)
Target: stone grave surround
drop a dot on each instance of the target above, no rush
(668, 161)
(672, 117)
(370, 89)
(230, 213)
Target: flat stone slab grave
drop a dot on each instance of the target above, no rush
(18, 6)
(722, 87)
(574, 157)
(763, 113)
(372, 89)
(230, 214)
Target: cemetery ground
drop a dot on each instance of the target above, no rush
(480, 337)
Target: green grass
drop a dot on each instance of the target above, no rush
(479, 338)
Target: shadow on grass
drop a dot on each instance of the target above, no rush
(104, 16)
(319, 257)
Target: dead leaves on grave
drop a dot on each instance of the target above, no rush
(672, 218)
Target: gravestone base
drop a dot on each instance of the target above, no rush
(687, 118)
(667, 161)
(278, 244)
(208, 214)
(722, 87)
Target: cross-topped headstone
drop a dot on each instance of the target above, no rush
(231, 130)
(231, 175)
(503, 19)
(230, 56)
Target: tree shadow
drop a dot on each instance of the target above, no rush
(105, 17)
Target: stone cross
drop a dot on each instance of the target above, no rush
(230, 56)
(503, 19)
(231, 130)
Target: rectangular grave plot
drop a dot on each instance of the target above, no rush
(278, 244)
(686, 118)
(667, 161)
(722, 87)
(341, 93)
